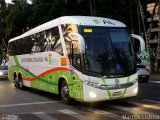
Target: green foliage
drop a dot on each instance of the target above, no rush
(16, 19)
(2, 15)
(20, 15)
(44, 11)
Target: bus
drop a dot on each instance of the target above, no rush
(80, 58)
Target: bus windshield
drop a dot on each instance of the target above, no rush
(108, 51)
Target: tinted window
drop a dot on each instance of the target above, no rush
(48, 40)
(52, 40)
(38, 40)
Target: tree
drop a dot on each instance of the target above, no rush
(16, 20)
(91, 5)
(43, 11)
(21, 15)
(2, 25)
(46, 10)
(2, 17)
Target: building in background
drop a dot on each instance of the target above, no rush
(153, 22)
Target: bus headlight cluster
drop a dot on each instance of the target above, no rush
(1, 73)
(92, 84)
(92, 95)
(112, 86)
(135, 90)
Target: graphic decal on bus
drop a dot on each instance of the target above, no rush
(48, 80)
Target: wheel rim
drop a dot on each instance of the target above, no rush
(65, 93)
(20, 83)
(16, 82)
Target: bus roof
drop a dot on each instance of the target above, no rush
(79, 20)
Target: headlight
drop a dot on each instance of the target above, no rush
(135, 90)
(1, 73)
(92, 84)
(92, 95)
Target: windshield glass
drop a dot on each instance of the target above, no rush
(108, 51)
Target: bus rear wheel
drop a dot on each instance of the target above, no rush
(16, 81)
(20, 82)
(65, 93)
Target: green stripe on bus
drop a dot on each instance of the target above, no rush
(38, 78)
(28, 72)
(109, 94)
(125, 90)
(108, 91)
(16, 60)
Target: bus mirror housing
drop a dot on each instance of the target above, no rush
(141, 40)
(143, 55)
(80, 39)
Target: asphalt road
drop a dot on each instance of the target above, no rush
(32, 104)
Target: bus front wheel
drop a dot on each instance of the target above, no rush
(65, 93)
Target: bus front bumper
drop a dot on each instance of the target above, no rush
(92, 94)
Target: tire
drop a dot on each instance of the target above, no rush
(146, 80)
(16, 81)
(65, 93)
(20, 82)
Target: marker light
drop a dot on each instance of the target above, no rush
(135, 90)
(88, 30)
(63, 61)
(92, 95)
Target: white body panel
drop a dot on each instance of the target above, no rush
(79, 20)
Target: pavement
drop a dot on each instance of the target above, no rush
(155, 76)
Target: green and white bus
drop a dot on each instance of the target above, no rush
(78, 57)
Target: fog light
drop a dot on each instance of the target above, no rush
(92, 95)
(135, 90)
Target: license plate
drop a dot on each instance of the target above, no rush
(118, 93)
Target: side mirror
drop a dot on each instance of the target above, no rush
(144, 54)
(141, 40)
(80, 39)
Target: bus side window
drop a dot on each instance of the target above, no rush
(58, 49)
(27, 44)
(52, 41)
(75, 54)
(56, 43)
(68, 48)
(35, 41)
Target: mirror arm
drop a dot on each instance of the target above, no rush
(72, 54)
(141, 40)
(82, 61)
